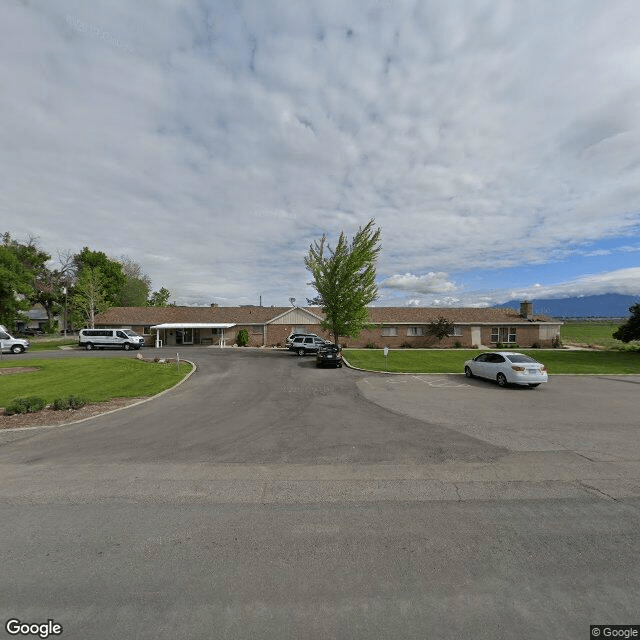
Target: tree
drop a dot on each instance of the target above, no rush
(113, 277)
(15, 285)
(159, 298)
(344, 278)
(88, 298)
(441, 328)
(135, 290)
(630, 330)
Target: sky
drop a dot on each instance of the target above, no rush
(495, 143)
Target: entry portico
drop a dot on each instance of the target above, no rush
(190, 332)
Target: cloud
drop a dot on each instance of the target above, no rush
(427, 283)
(623, 281)
(214, 142)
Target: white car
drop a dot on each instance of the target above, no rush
(507, 367)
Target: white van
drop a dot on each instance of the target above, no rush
(9, 344)
(101, 338)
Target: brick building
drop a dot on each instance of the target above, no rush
(395, 326)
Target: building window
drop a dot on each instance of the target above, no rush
(503, 334)
(456, 331)
(414, 331)
(389, 331)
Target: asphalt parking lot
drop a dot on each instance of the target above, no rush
(266, 498)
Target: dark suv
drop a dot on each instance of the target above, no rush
(306, 344)
(330, 354)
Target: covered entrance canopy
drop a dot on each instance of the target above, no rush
(191, 332)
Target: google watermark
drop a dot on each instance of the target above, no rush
(86, 27)
(15, 627)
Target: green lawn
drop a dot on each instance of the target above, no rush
(95, 379)
(590, 333)
(452, 360)
(51, 345)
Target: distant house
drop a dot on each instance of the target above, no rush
(36, 319)
(394, 326)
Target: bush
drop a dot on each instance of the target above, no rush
(70, 402)
(371, 345)
(25, 405)
(242, 338)
(406, 345)
(535, 345)
(556, 343)
(457, 344)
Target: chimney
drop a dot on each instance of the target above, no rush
(526, 310)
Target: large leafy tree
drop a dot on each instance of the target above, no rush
(137, 284)
(15, 286)
(88, 297)
(159, 298)
(630, 330)
(26, 279)
(344, 278)
(112, 275)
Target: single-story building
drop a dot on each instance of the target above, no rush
(394, 326)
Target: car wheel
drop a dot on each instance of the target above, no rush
(17, 348)
(501, 380)
(88, 346)
(468, 372)
(126, 346)
(533, 386)
(318, 365)
(301, 352)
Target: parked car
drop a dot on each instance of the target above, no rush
(307, 344)
(32, 332)
(507, 367)
(11, 344)
(101, 338)
(292, 336)
(330, 354)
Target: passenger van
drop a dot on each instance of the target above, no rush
(117, 338)
(9, 344)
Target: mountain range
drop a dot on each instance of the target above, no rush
(607, 305)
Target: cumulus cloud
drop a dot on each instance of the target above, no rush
(213, 142)
(427, 283)
(623, 281)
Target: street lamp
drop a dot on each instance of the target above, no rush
(64, 290)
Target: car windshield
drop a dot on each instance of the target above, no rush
(518, 357)
(130, 333)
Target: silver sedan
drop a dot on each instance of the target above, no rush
(507, 367)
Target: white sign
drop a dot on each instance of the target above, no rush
(386, 351)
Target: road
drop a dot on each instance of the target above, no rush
(266, 498)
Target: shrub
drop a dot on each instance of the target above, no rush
(371, 345)
(70, 402)
(535, 345)
(457, 344)
(406, 345)
(556, 343)
(30, 404)
(242, 338)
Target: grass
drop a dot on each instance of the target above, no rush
(597, 334)
(97, 380)
(452, 360)
(50, 345)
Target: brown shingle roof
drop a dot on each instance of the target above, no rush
(258, 315)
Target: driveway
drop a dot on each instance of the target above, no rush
(268, 499)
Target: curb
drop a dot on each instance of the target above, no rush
(194, 367)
